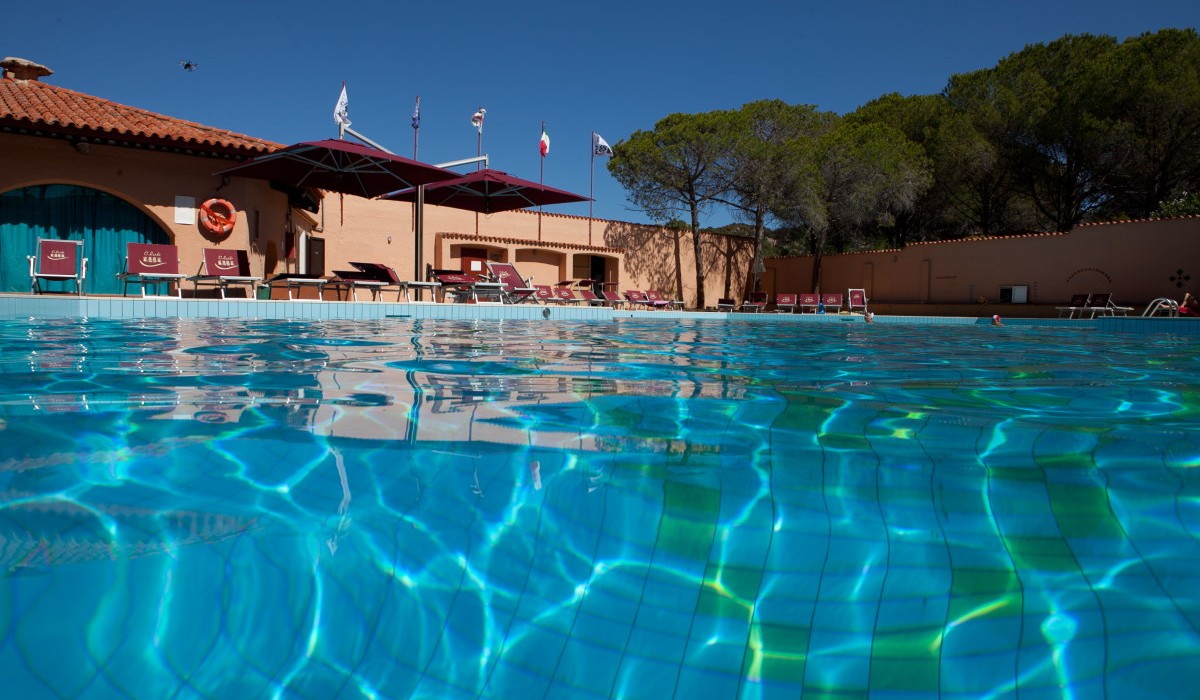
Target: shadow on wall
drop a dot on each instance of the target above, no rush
(650, 260)
(649, 253)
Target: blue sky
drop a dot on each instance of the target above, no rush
(274, 69)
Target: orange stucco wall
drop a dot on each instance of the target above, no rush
(1136, 261)
(151, 180)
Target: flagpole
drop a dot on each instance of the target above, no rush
(478, 154)
(541, 174)
(416, 125)
(591, 184)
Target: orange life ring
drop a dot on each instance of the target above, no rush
(218, 216)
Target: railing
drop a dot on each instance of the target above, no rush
(1170, 306)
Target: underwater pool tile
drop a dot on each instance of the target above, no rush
(834, 675)
(600, 631)
(700, 681)
(641, 677)
(646, 643)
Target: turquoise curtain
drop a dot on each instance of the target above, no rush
(103, 222)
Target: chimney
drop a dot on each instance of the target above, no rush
(22, 69)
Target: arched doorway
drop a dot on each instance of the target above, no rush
(104, 222)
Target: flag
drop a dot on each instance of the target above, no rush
(600, 147)
(477, 119)
(417, 113)
(544, 143)
(341, 111)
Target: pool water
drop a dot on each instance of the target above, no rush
(624, 509)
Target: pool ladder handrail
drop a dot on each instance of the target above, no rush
(1155, 306)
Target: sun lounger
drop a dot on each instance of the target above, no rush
(545, 294)
(456, 286)
(808, 302)
(374, 277)
(591, 298)
(636, 297)
(661, 301)
(1104, 305)
(726, 304)
(785, 303)
(516, 288)
(856, 300)
(755, 302)
(1078, 304)
(151, 264)
(223, 268)
(57, 261)
(832, 302)
(294, 282)
(614, 300)
(566, 296)
(1092, 305)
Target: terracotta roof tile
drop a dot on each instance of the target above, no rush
(38, 106)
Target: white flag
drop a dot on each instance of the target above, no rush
(477, 118)
(600, 147)
(341, 111)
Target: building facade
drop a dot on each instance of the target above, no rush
(78, 166)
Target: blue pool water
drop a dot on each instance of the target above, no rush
(626, 509)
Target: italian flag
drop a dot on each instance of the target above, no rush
(544, 143)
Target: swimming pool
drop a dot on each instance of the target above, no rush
(400, 508)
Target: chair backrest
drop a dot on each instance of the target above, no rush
(832, 301)
(565, 294)
(1099, 300)
(55, 257)
(756, 298)
(219, 262)
(858, 298)
(151, 259)
(588, 295)
(636, 295)
(655, 296)
(785, 299)
(378, 272)
(506, 274)
(1079, 299)
(543, 292)
(726, 301)
(807, 299)
(611, 297)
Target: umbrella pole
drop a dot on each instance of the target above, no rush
(419, 233)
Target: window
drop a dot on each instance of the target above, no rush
(1015, 294)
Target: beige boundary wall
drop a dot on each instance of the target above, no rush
(1136, 261)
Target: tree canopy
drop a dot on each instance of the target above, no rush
(1079, 129)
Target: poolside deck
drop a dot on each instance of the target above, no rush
(70, 306)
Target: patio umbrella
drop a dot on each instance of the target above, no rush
(340, 166)
(487, 192)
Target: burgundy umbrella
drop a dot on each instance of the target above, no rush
(340, 166)
(487, 192)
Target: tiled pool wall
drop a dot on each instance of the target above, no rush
(56, 306)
